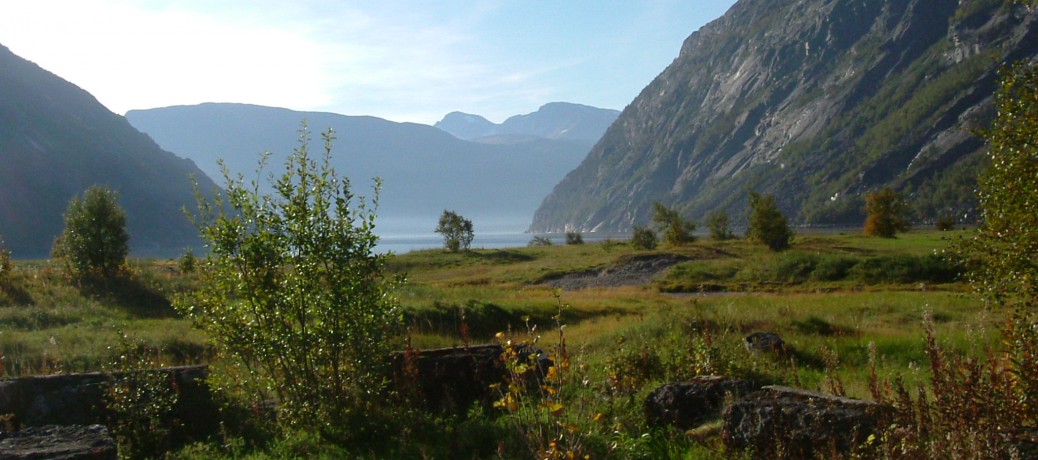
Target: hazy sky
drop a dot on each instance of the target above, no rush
(401, 60)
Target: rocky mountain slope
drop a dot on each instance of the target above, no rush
(815, 101)
(556, 120)
(424, 170)
(56, 140)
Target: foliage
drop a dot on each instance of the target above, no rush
(945, 222)
(643, 238)
(5, 266)
(676, 230)
(1004, 263)
(294, 294)
(719, 224)
(188, 262)
(139, 400)
(456, 230)
(539, 395)
(886, 213)
(94, 242)
(540, 240)
(767, 224)
(574, 238)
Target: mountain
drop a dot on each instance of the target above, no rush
(424, 170)
(815, 101)
(56, 140)
(556, 120)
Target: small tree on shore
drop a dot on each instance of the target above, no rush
(456, 230)
(95, 241)
(719, 225)
(643, 238)
(886, 213)
(676, 230)
(767, 224)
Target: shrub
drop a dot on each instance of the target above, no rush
(767, 225)
(295, 297)
(676, 230)
(94, 242)
(187, 262)
(643, 238)
(719, 225)
(6, 266)
(574, 238)
(456, 230)
(140, 399)
(540, 240)
(905, 269)
(945, 222)
(886, 213)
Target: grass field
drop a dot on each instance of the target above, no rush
(834, 299)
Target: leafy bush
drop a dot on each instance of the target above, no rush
(94, 242)
(719, 225)
(540, 240)
(574, 238)
(767, 224)
(676, 230)
(140, 399)
(643, 238)
(6, 266)
(930, 268)
(295, 296)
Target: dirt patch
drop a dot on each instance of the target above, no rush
(635, 271)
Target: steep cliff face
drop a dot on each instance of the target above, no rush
(56, 140)
(816, 101)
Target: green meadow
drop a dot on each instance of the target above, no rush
(845, 304)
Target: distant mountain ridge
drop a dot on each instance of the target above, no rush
(816, 101)
(556, 120)
(424, 170)
(56, 140)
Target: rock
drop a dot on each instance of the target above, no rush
(451, 379)
(791, 423)
(687, 405)
(765, 342)
(51, 442)
(78, 399)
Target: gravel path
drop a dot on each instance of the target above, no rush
(635, 271)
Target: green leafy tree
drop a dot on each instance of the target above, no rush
(719, 225)
(676, 230)
(643, 238)
(886, 213)
(456, 230)
(1004, 254)
(767, 224)
(94, 242)
(295, 295)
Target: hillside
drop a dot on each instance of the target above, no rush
(816, 101)
(424, 170)
(56, 140)
(556, 120)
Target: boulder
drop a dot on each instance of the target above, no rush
(79, 399)
(792, 423)
(51, 442)
(765, 342)
(452, 379)
(687, 405)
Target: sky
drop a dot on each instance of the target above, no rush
(405, 61)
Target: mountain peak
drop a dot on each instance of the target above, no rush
(554, 120)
